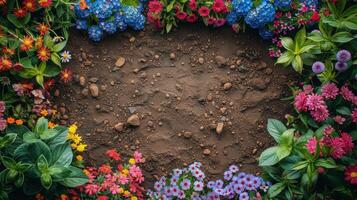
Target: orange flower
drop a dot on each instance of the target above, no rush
(83, 4)
(45, 3)
(39, 196)
(7, 50)
(106, 169)
(20, 12)
(43, 28)
(39, 42)
(51, 125)
(28, 86)
(43, 54)
(44, 112)
(30, 5)
(2, 2)
(19, 122)
(27, 43)
(63, 197)
(5, 64)
(10, 120)
(66, 75)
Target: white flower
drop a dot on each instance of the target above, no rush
(66, 56)
(58, 39)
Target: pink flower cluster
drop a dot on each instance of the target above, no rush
(313, 103)
(337, 146)
(3, 123)
(211, 12)
(121, 181)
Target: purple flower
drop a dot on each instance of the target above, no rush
(256, 182)
(241, 175)
(244, 196)
(343, 56)
(356, 76)
(3, 124)
(174, 180)
(168, 191)
(181, 194)
(2, 106)
(238, 188)
(228, 175)
(175, 190)
(198, 186)
(177, 172)
(219, 183)
(185, 184)
(233, 168)
(318, 67)
(211, 184)
(158, 186)
(341, 66)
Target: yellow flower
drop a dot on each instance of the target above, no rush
(76, 138)
(86, 172)
(121, 190)
(79, 157)
(81, 147)
(126, 193)
(44, 112)
(74, 146)
(133, 198)
(72, 129)
(132, 161)
(125, 171)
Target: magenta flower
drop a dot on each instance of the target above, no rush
(300, 102)
(347, 140)
(311, 145)
(320, 114)
(91, 189)
(314, 102)
(338, 148)
(2, 106)
(329, 91)
(339, 119)
(354, 115)
(138, 157)
(346, 93)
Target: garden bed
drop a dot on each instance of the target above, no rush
(180, 98)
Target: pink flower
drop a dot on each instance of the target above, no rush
(193, 5)
(218, 6)
(346, 93)
(113, 154)
(308, 89)
(2, 106)
(338, 148)
(329, 91)
(102, 197)
(181, 15)
(3, 124)
(300, 102)
(320, 114)
(91, 189)
(204, 11)
(354, 115)
(220, 22)
(211, 20)
(123, 179)
(339, 119)
(138, 157)
(136, 173)
(155, 6)
(114, 189)
(311, 145)
(314, 102)
(328, 130)
(191, 18)
(347, 140)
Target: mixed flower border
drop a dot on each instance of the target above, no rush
(315, 154)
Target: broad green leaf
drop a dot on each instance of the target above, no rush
(326, 163)
(297, 64)
(51, 70)
(285, 58)
(8, 139)
(56, 59)
(350, 25)
(286, 139)
(76, 178)
(343, 110)
(46, 180)
(59, 47)
(283, 152)
(42, 164)
(316, 37)
(306, 49)
(287, 43)
(275, 128)
(269, 157)
(30, 137)
(60, 138)
(29, 152)
(342, 37)
(300, 165)
(48, 134)
(300, 38)
(41, 125)
(62, 155)
(276, 189)
(8, 162)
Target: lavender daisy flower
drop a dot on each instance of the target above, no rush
(318, 67)
(175, 190)
(238, 188)
(181, 194)
(244, 196)
(174, 180)
(233, 168)
(211, 185)
(198, 186)
(219, 184)
(228, 175)
(168, 191)
(256, 182)
(185, 184)
(177, 172)
(343, 56)
(341, 66)
(158, 186)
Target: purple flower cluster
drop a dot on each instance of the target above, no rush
(189, 183)
(3, 123)
(343, 56)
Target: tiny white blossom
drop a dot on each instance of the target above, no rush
(66, 56)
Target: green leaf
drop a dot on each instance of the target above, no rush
(62, 155)
(287, 43)
(51, 70)
(354, 135)
(60, 46)
(300, 38)
(42, 164)
(60, 138)
(8, 162)
(269, 157)
(283, 152)
(76, 178)
(300, 165)
(316, 37)
(19, 180)
(343, 111)
(350, 25)
(306, 48)
(41, 125)
(48, 134)
(56, 59)
(286, 139)
(297, 64)
(275, 128)
(29, 152)
(276, 189)
(8, 139)
(39, 79)
(326, 163)
(46, 180)
(342, 37)
(19, 23)
(30, 137)
(170, 6)
(285, 58)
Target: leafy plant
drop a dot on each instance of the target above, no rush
(38, 160)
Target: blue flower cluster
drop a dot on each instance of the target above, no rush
(189, 183)
(261, 15)
(282, 3)
(108, 16)
(310, 2)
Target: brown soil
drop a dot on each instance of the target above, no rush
(179, 100)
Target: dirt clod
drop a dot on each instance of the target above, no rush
(94, 90)
(134, 120)
(120, 62)
(219, 128)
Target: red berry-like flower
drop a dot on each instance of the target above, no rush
(5, 64)
(181, 15)
(192, 18)
(43, 54)
(45, 3)
(17, 67)
(204, 11)
(351, 174)
(219, 6)
(29, 5)
(113, 154)
(27, 43)
(66, 75)
(315, 16)
(42, 28)
(20, 12)
(193, 5)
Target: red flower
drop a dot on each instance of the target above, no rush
(30, 5)
(181, 15)
(42, 28)
(49, 84)
(27, 43)
(105, 169)
(155, 6)
(193, 5)
(204, 11)
(20, 12)
(43, 54)
(219, 22)
(66, 75)
(211, 20)
(315, 16)
(45, 3)
(102, 197)
(113, 154)
(2, 2)
(17, 67)
(219, 6)
(351, 174)
(192, 18)
(5, 64)
(8, 51)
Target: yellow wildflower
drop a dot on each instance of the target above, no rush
(133, 198)
(126, 193)
(125, 171)
(121, 190)
(76, 138)
(132, 161)
(79, 157)
(74, 146)
(72, 129)
(44, 112)
(81, 147)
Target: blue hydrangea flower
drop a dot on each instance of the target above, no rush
(102, 9)
(232, 18)
(242, 7)
(81, 13)
(282, 3)
(81, 24)
(133, 17)
(108, 27)
(95, 33)
(310, 2)
(116, 5)
(119, 21)
(265, 33)
(261, 15)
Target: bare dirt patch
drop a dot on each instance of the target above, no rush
(181, 86)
